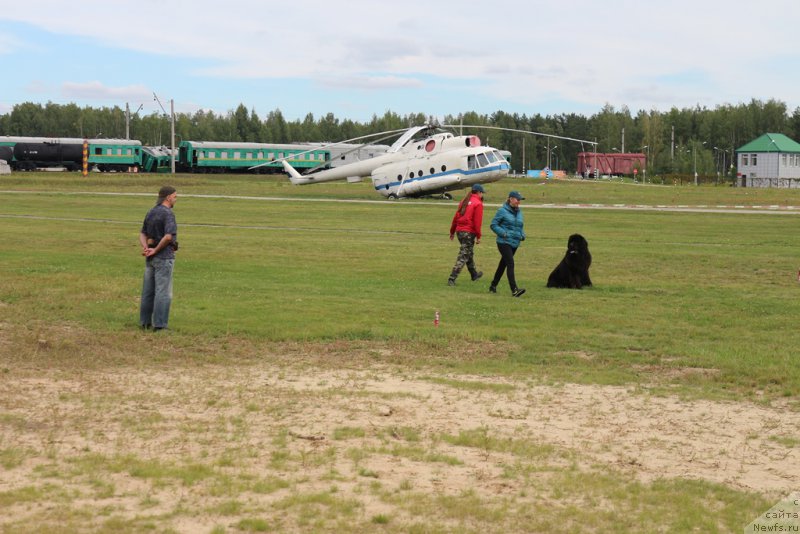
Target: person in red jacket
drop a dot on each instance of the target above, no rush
(467, 225)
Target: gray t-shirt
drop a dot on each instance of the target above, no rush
(159, 222)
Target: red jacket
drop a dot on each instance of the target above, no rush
(472, 219)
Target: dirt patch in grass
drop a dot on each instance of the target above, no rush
(297, 435)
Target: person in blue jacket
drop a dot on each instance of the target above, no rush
(507, 224)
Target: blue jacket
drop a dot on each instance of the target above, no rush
(507, 224)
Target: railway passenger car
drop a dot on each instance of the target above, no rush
(220, 157)
(156, 159)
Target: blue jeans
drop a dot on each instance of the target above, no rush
(156, 293)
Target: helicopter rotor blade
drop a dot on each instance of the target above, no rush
(522, 131)
(326, 145)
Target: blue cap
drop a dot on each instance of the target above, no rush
(478, 188)
(516, 194)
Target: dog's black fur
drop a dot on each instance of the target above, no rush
(573, 271)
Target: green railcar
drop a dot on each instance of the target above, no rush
(115, 154)
(156, 159)
(205, 156)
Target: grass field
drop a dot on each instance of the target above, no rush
(304, 387)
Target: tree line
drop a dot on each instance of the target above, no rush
(677, 141)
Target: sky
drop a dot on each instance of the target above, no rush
(359, 58)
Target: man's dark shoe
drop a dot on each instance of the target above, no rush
(518, 292)
(476, 276)
(451, 282)
(146, 326)
(159, 328)
(492, 289)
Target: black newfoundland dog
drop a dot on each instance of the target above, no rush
(573, 271)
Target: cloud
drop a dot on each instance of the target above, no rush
(524, 55)
(371, 83)
(96, 90)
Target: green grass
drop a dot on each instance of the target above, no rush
(702, 300)
(701, 305)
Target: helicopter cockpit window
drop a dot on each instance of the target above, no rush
(471, 163)
(482, 160)
(491, 156)
(499, 156)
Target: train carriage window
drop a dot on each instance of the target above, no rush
(119, 152)
(210, 155)
(482, 160)
(223, 155)
(98, 151)
(237, 155)
(261, 154)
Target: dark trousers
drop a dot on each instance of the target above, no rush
(506, 265)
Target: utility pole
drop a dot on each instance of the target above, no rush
(172, 122)
(623, 142)
(128, 118)
(172, 127)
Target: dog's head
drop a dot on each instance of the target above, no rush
(576, 244)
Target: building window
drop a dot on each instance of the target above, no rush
(744, 160)
(783, 160)
(754, 159)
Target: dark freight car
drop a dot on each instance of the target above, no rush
(54, 153)
(614, 164)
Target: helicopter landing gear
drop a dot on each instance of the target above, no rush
(447, 196)
(392, 196)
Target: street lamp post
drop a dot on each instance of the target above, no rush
(646, 162)
(694, 150)
(549, 155)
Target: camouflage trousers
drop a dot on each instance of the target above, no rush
(465, 254)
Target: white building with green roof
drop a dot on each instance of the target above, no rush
(772, 160)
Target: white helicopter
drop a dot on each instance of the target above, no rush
(420, 163)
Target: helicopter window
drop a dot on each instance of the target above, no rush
(433, 170)
(482, 160)
(471, 163)
(444, 168)
(399, 177)
(419, 173)
(411, 175)
(499, 155)
(491, 156)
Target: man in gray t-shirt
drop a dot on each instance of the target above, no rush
(159, 240)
